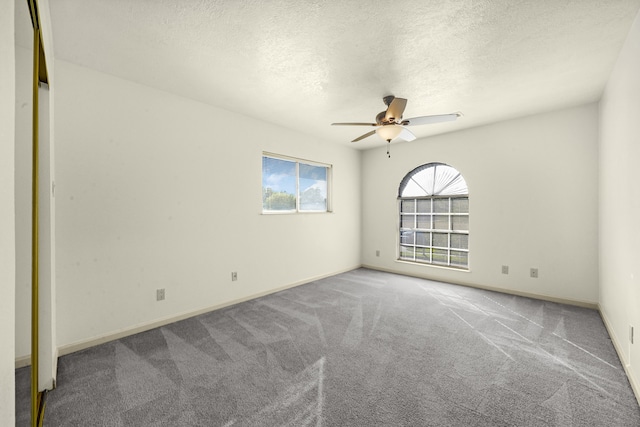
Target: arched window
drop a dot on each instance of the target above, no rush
(434, 216)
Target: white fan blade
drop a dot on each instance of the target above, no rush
(366, 135)
(396, 108)
(407, 135)
(353, 124)
(427, 120)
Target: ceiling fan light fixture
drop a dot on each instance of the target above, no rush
(389, 132)
(390, 125)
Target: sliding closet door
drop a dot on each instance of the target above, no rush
(35, 236)
(47, 359)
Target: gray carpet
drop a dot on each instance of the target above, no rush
(363, 348)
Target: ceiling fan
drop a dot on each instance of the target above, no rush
(390, 125)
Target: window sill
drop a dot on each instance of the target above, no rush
(295, 213)
(442, 267)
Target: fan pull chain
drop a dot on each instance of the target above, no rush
(388, 148)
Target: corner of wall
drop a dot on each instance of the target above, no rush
(7, 215)
(628, 368)
(618, 204)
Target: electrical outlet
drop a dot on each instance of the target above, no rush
(160, 294)
(534, 273)
(631, 334)
(377, 253)
(505, 269)
(234, 276)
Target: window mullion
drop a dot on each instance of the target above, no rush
(449, 233)
(297, 187)
(429, 238)
(415, 227)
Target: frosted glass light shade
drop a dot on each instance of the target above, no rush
(389, 132)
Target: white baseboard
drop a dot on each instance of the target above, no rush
(579, 303)
(84, 344)
(628, 369)
(23, 361)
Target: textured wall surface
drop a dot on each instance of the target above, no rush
(306, 64)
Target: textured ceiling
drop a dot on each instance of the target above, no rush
(307, 63)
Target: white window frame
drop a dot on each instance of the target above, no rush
(297, 162)
(413, 230)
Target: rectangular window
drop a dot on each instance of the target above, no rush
(435, 230)
(292, 185)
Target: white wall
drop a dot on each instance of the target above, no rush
(7, 218)
(620, 203)
(533, 203)
(158, 191)
(23, 145)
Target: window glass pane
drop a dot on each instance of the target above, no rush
(424, 206)
(413, 189)
(420, 184)
(406, 252)
(433, 179)
(460, 222)
(441, 240)
(457, 186)
(434, 216)
(407, 237)
(440, 256)
(313, 187)
(408, 221)
(422, 254)
(422, 238)
(460, 241)
(424, 221)
(441, 205)
(460, 259)
(408, 206)
(441, 222)
(460, 205)
(445, 176)
(278, 184)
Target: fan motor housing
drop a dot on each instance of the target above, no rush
(380, 118)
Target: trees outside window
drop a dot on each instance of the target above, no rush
(292, 185)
